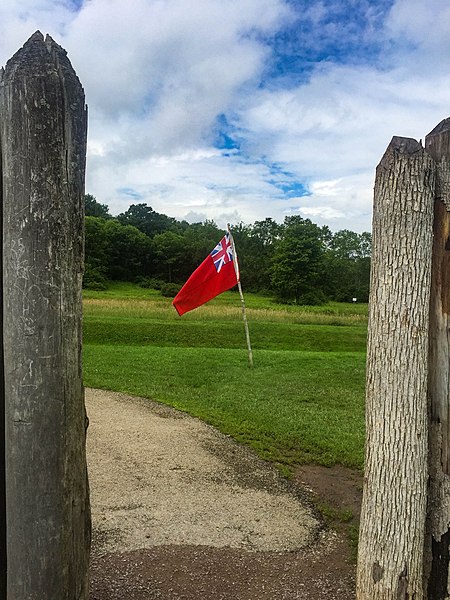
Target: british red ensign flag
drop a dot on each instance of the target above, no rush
(215, 275)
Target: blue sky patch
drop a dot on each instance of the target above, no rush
(130, 193)
(287, 182)
(76, 4)
(226, 135)
(340, 32)
(293, 189)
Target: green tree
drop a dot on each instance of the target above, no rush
(115, 251)
(255, 247)
(299, 262)
(170, 251)
(199, 239)
(129, 251)
(96, 253)
(92, 208)
(267, 232)
(146, 219)
(96, 243)
(348, 266)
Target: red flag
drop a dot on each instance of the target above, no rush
(215, 275)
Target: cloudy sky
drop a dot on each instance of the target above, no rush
(238, 110)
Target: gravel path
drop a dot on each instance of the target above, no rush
(181, 512)
(160, 477)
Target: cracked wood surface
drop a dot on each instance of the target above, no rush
(43, 148)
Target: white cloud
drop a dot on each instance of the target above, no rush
(19, 20)
(343, 118)
(202, 182)
(322, 212)
(422, 23)
(157, 73)
(326, 188)
(344, 203)
(164, 70)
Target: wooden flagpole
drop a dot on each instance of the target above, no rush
(244, 315)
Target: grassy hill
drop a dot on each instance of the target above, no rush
(303, 401)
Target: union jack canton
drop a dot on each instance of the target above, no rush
(222, 253)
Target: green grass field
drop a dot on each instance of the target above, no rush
(303, 401)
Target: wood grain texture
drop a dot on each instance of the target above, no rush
(437, 144)
(2, 417)
(392, 532)
(43, 124)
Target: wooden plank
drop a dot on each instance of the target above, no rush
(43, 145)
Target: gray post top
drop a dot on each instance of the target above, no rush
(36, 53)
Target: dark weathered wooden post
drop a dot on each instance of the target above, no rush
(437, 556)
(43, 146)
(2, 419)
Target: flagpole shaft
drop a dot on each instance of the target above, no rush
(244, 314)
(247, 333)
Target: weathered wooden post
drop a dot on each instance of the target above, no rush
(437, 557)
(392, 530)
(43, 124)
(404, 535)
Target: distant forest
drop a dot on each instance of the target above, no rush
(295, 262)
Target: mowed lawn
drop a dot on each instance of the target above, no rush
(302, 402)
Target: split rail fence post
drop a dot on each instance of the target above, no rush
(43, 126)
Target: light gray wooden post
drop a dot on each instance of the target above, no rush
(404, 549)
(43, 122)
(392, 532)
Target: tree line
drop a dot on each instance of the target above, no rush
(295, 262)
